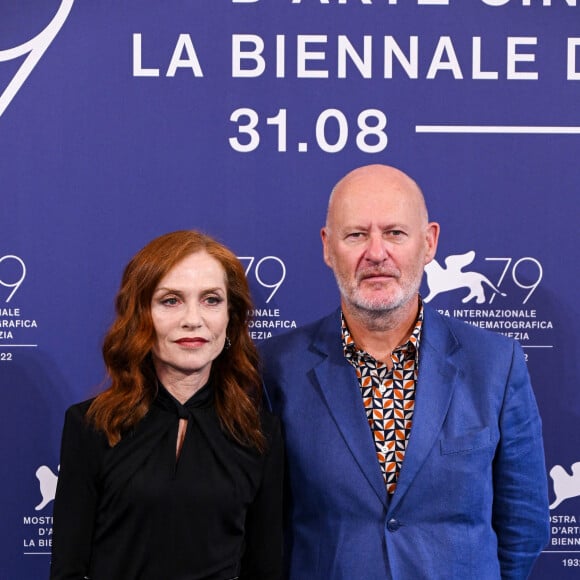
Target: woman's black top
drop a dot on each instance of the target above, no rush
(134, 511)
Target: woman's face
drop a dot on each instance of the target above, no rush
(190, 316)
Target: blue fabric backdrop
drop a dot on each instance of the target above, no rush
(120, 121)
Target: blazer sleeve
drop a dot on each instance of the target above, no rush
(520, 505)
(262, 559)
(76, 497)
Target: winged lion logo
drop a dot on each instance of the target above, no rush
(452, 277)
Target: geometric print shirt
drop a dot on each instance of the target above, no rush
(388, 397)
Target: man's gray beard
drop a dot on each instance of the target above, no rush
(374, 314)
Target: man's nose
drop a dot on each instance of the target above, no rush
(376, 249)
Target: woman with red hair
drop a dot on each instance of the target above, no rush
(174, 471)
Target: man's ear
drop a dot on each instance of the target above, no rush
(325, 251)
(431, 238)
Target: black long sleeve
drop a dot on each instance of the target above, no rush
(135, 512)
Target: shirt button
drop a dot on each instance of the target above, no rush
(393, 525)
(382, 389)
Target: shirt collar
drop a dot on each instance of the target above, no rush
(200, 399)
(411, 345)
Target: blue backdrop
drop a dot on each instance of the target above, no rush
(120, 121)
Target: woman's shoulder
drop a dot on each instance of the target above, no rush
(78, 426)
(78, 411)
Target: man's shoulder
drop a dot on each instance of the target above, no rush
(464, 333)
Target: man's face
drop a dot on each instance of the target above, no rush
(377, 241)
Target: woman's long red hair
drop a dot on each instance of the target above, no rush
(128, 343)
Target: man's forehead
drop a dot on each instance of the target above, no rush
(373, 203)
(360, 186)
(367, 223)
(359, 200)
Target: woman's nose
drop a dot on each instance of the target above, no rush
(191, 316)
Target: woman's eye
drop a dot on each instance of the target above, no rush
(172, 301)
(213, 300)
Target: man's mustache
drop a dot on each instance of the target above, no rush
(372, 272)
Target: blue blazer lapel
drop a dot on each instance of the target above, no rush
(436, 381)
(341, 392)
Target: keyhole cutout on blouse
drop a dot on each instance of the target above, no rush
(182, 428)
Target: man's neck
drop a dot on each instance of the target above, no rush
(380, 334)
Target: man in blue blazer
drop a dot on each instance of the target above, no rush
(413, 441)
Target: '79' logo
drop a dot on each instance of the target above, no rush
(34, 49)
(452, 277)
(12, 274)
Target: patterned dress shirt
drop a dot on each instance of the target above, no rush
(388, 397)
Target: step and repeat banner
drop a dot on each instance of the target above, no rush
(120, 121)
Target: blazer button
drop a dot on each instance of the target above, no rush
(393, 525)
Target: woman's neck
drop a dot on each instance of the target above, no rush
(182, 386)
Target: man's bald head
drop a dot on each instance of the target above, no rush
(376, 178)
